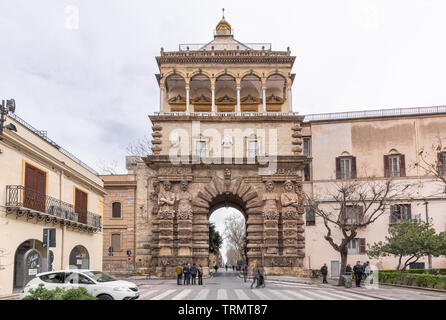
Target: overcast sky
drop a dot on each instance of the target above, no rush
(93, 87)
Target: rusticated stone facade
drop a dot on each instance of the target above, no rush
(185, 199)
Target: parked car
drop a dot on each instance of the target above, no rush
(99, 284)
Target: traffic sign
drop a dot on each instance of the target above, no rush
(129, 252)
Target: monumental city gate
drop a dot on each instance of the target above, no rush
(225, 135)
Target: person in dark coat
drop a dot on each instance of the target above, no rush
(193, 273)
(324, 271)
(200, 275)
(348, 270)
(186, 271)
(358, 270)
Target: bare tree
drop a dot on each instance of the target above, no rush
(349, 207)
(141, 147)
(109, 167)
(235, 233)
(433, 163)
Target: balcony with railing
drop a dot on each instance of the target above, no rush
(22, 200)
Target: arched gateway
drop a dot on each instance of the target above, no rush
(220, 142)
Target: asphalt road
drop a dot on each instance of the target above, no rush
(228, 285)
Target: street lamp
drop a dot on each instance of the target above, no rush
(4, 111)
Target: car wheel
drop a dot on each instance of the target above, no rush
(105, 297)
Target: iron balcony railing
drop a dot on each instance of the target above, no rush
(227, 114)
(21, 197)
(222, 46)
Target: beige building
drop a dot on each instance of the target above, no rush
(226, 135)
(373, 146)
(44, 186)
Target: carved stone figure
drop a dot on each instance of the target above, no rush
(184, 199)
(166, 201)
(289, 201)
(226, 142)
(154, 197)
(270, 211)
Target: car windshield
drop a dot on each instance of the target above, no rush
(100, 276)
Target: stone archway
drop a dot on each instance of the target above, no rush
(183, 203)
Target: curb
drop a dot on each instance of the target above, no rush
(412, 287)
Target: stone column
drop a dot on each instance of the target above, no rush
(161, 99)
(238, 100)
(214, 109)
(187, 99)
(290, 100)
(264, 99)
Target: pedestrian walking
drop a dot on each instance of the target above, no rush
(179, 272)
(245, 272)
(324, 271)
(200, 275)
(226, 267)
(261, 279)
(163, 270)
(367, 273)
(193, 273)
(216, 268)
(358, 270)
(255, 275)
(233, 268)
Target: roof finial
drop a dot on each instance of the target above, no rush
(223, 12)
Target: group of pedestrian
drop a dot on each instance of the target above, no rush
(226, 267)
(189, 273)
(359, 271)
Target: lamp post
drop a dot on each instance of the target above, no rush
(5, 109)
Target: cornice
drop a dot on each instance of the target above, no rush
(226, 59)
(226, 117)
(17, 141)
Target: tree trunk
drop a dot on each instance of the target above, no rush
(344, 256)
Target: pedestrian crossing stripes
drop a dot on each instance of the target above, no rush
(222, 294)
(250, 294)
(202, 295)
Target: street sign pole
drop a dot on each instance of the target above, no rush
(48, 250)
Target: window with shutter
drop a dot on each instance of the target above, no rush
(310, 217)
(346, 168)
(35, 188)
(386, 166)
(394, 165)
(80, 205)
(362, 247)
(338, 168)
(400, 212)
(116, 210)
(442, 163)
(353, 246)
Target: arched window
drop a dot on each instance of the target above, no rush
(79, 258)
(116, 210)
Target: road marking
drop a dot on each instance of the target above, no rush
(259, 294)
(241, 294)
(202, 295)
(164, 294)
(338, 296)
(183, 294)
(355, 296)
(147, 293)
(297, 295)
(222, 294)
(317, 295)
(279, 294)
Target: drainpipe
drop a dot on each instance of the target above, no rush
(63, 227)
(427, 220)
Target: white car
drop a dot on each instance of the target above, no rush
(97, 283)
